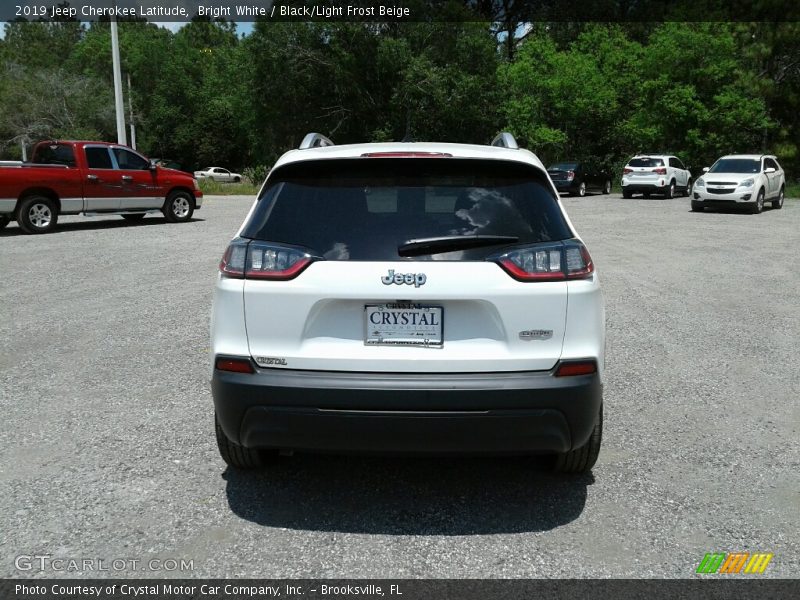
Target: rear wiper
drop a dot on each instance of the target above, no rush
(451, 243)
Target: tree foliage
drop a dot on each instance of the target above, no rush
(206, 95)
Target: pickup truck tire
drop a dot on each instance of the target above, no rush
(179, 207)
(136, 217)
(37, 214)
(4, 220)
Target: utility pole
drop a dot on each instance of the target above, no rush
(122, 138)
(130, 113)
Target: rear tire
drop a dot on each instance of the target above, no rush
(697, 206)
(136, 217)
(37, 214)
(581, 460)
(235, 455)
(607, 187)
(689, 188)
(776, 204)
(179, 207)
(237, 180)
(4, 220)
(669, 194)
(582, 189)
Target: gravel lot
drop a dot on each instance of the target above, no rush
(108, 449)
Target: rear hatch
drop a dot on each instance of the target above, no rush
(406, 265)
(645, 170)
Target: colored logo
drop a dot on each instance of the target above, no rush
(735, 562)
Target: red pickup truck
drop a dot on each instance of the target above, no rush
(91, 178)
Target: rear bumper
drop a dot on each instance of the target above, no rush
(486, 413)
(645, 187)
(566, 186)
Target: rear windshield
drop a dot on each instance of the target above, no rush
(563, 167)
(54, 154)
(736, 165)
(646, 162)
(363, 209)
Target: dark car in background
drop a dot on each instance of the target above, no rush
(578, 177)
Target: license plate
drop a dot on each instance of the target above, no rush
(403, 324)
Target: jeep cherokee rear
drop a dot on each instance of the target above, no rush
(412, 298)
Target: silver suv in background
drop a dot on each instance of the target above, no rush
(655, 174)
(741, 179)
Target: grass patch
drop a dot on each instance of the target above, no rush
(793, 190)
(215, 188)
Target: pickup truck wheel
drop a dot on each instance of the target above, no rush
(37, 214)
(581, 460)
(777, 203)
(235, 455)
(136, 217)
(179, 207)
(4, 220)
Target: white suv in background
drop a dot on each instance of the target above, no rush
(418, 298)
(741, 179)
(655, 174)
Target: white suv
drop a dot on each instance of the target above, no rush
(655, 174)
(408, 297)
(741, 179)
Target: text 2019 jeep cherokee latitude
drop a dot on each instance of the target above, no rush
(408, 298)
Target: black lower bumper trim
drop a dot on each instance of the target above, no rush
(526, 412)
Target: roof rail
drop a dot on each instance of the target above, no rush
(315, 140)
(505, 140)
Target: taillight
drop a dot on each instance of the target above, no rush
(570, 175)
(576, 367)
(234, 365)
(407, 155)
(626, 171)
(246, 259)
(660, 170)
(548, 262)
